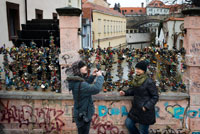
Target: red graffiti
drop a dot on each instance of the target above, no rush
(104, 127)
(47, 118)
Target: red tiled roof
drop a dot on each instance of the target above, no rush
(174, 19)
(133, 10)
(86, 6)
(176, 7)
(83, 1)
(87, 13)
(157, 3)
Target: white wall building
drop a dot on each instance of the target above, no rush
(172, 29)
(157, 7)
(13, 13)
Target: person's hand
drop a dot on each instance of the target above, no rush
(122, 93)
(95, 72)
(144, 109)
(99, 73)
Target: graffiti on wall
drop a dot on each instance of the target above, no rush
(103, 111)
(102, 126)
(167, 131)
(47, 118)
(178, 111)
(195, 132)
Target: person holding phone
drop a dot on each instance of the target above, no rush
(83, 87)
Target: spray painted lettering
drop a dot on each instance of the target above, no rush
(102, 127)
(47, 118)
(103, 111)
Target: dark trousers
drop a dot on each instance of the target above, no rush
(130, 124)
(84, 129)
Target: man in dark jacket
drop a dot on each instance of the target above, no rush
(82, 89)
(143, 105)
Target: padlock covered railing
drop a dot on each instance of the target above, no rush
(31, 67)
(165, 66)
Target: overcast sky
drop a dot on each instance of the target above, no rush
(127, 3)
(134, 3)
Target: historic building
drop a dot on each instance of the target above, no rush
(133, 11)
(157, 7)
(171, 33)
(108, 26)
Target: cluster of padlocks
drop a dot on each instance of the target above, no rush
(31, 68)
(165, 66)
(37, 68)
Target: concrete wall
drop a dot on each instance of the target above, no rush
(138, 37)
(100, 2)
(192, 75)
(138, 45)
(50, 113)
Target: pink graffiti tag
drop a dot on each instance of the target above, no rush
(103, 127)
(47, 118)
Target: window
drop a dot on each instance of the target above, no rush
(38, 14)
(69, 3)
(140, 11)
(55, 16)
(125, 10)
(111, 23)
(121, 26)
(131, 31)
(131, 10)
(114, 27)
(104, 26)
(108, 27)
(99, 26)
(13, 19)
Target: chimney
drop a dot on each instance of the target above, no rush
(142, 4)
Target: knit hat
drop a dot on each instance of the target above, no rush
(81, 64)
(142, 65)
(76, 66)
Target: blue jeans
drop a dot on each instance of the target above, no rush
(84, 129)
(130, 124)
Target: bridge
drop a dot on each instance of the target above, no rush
(137, 21)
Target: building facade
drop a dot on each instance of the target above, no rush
(157, 7)
(86, 34)
(108, 26)
(133, 11)
(173, 32)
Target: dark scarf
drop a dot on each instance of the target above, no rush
(139, 80)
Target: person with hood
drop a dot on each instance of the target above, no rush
(83, 88)
(146, 96)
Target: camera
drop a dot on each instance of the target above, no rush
(83, 116)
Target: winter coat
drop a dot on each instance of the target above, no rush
(87, 89)
(146, 96)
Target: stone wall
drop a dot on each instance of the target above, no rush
(37, 113)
